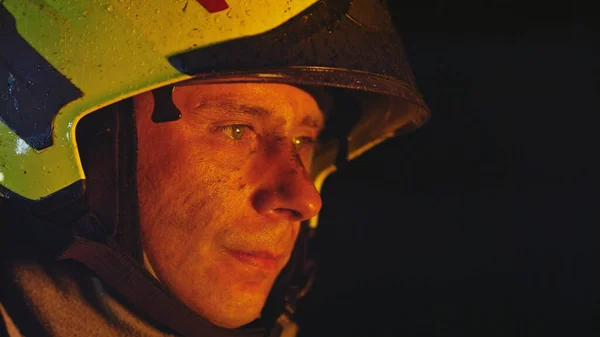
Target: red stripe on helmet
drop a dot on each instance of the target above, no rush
(213, 6)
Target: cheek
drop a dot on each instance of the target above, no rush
(184, 221)
(187, 198)
(190, 178)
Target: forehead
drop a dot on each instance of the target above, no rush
(259, 99)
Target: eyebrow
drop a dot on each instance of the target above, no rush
(255, 110)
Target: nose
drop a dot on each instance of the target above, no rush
(287, 190)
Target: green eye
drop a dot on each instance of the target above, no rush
(235, 132)
(302, 142)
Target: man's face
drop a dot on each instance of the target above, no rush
(222, 192)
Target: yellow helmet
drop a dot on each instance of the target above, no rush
(62, 60)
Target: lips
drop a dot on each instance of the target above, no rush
(259, 259)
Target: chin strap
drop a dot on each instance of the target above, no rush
(121, 272)
(292, 284)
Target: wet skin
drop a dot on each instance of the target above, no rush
(223, 190)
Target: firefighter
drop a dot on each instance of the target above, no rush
(161, 161)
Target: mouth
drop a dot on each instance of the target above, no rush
(259, 259)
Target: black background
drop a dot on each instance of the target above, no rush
(483, 222)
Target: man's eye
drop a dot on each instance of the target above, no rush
(235, 132)
(304, 142)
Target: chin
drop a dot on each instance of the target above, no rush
(231, 310)
(235, 318)
(235, 323)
